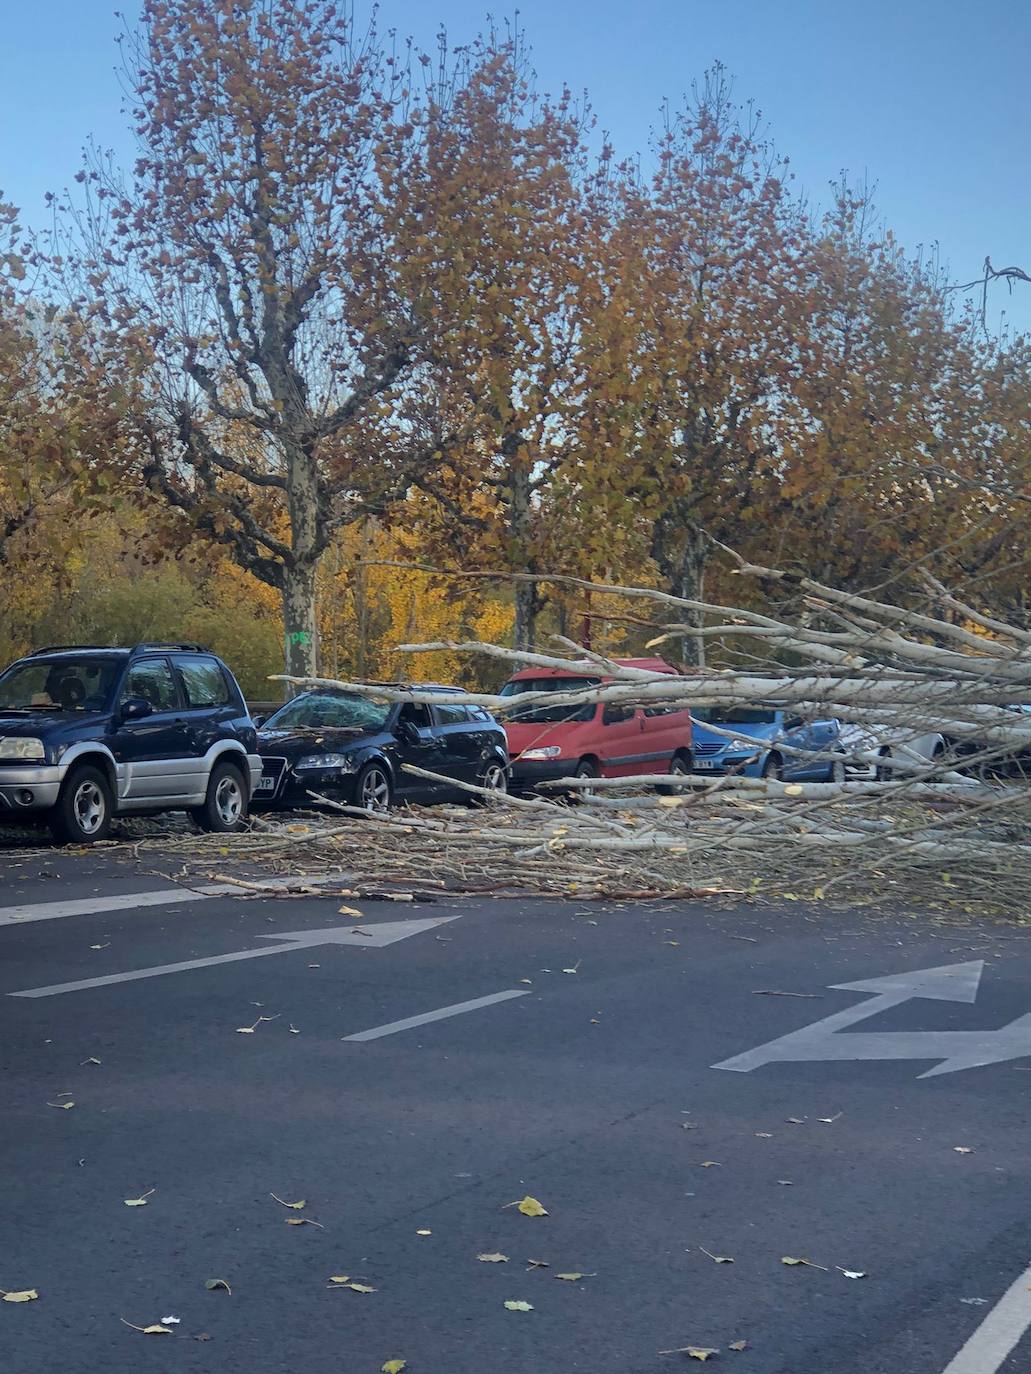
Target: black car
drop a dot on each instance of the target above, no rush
(87, 734)
(351, 749)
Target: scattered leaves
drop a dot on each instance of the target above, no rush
(344, 1282)
(212, 1284)
(294, 1206)
(529, 1207)
(156, 1330)
(520, 1306)
(140, 1201)
(494, 1257)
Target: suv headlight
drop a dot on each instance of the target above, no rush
(20, 747)
(345, 763)
(547, 751)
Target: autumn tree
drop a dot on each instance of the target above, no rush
(253, 256)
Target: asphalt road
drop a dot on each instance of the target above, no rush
(592, 1092)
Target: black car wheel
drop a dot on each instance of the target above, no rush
(372, 791)
(494, 779)
(225, 805)
(84, 809)
(773, 769)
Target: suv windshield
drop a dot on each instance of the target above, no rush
(65, 684)
(326, 710)
(548, 715)
(735, 715)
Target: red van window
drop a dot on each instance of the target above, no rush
(540, 714)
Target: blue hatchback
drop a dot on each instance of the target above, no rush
(760, 742)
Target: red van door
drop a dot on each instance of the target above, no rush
(619, 741)
(665, 732)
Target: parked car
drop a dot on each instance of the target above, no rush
(596, 740)
(87, 734)
(756, 750)
(992, 762)
(888, 743)
(351, 749)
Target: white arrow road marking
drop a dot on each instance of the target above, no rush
(957, 1050)
(27, 912)
(441, 1014)
(369, 937)
(987, 1349)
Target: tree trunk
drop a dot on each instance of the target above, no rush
(527, 605)
(681, 550)
(299, 629)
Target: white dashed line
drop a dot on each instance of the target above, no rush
(988, 1348)
(441, 1014)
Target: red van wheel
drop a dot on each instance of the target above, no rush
(680, 767)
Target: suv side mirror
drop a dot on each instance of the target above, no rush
(136, 708)
(259, 721)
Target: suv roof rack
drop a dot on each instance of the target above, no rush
(143, 648)
(148, 647)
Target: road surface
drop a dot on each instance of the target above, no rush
(410, 1083)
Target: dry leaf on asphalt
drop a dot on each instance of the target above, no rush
(529, 1207)
(424, 1233)
(790, 1259)
(20, 1295)
(711, 1164)
(959, 1149)
(764, 1135)
(342, 1281)
(172, 1321)
(830, 1120)
(304, 1221)
(393, 1367)
(795, 1120)
(538, 1264)
(519, 1306)
(850, 1273)
(495, 1257)
(212, 1284)
(717, 1259)
(693, 1352)
(353, 912)
(140, 1201)
(738, 1345)
(295, 1206)
(90, 1060)
(67, 1106)
(156, 1330)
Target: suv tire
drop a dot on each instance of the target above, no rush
(84, 809)
(225, 805)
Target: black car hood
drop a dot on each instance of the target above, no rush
(331, 739)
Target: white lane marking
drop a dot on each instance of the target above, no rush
(822, 1041)
(441, 1014)
(119, 901)
(988, 1348)
(367, 937)
(162, 896)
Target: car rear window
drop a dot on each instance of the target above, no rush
(542, 714)
(204, 683)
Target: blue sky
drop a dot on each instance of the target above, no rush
(927, 98)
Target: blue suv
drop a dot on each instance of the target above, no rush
(87, 734)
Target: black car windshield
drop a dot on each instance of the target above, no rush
(549, 715)
(65, 684)
(328, 711)
(735, 715)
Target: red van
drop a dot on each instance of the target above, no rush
(599, 740)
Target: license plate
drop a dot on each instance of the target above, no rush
(266, 783)
(705, 763)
